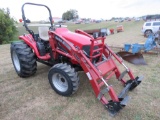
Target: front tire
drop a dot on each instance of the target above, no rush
(23, 59)
(63, 79)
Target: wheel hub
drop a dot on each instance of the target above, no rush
(60, 82)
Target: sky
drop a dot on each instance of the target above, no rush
(95, 9)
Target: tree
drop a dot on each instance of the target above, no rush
(70, 15)
(7, 26)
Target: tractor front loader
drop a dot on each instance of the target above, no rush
(67, 52)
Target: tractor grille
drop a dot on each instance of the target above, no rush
(86, 48)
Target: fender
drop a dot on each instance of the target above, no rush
(70, 47)
(28, 39)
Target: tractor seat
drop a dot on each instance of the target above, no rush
(43, 33)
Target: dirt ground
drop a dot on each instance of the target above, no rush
(33, 98)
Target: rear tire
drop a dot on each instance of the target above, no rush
(63, 79)
(23, 59)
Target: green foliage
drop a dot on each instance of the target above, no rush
(7, 26)
(70, 15)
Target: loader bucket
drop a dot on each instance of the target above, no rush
(136, 58)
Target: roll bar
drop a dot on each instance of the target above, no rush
(24, 18)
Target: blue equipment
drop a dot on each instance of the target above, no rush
(149, 45)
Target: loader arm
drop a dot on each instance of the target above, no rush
(99, 73)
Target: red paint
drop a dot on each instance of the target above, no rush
(28, 39)
(76, 56)
(75, 38)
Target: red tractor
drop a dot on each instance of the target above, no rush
(69, 52)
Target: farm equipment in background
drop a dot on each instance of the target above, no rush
(119, 28)
(112, 31)
(91, 31)
(135, 56)
(69, 52)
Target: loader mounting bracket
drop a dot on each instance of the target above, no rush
(113, 107)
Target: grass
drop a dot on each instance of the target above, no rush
(33, 98)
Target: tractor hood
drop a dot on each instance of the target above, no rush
(75, 38)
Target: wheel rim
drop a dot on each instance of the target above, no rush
(16, 61)
(60, 82)
(148, 33)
